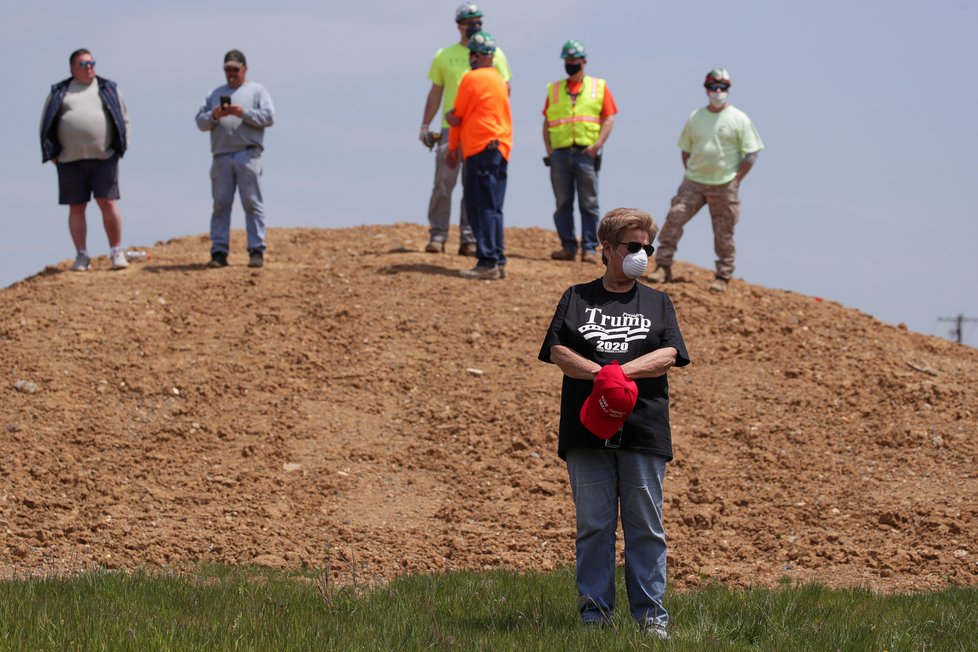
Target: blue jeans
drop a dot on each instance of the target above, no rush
(485, 189)
(242, 170)
(571, 168)
(440, 204)
(601, 479)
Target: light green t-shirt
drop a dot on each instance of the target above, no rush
(717, 143)
(448, 67)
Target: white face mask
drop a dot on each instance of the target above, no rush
(717, 99)
(634, 265)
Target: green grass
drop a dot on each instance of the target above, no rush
(226, 608)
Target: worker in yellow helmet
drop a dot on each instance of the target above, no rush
(447, 68)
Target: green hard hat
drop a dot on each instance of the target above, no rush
(467, 10)
(573, 49)
(482, 43)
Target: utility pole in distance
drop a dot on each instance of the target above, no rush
(958, 331)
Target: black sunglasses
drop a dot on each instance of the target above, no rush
(87, 64)
(633, 247)
(717, 87)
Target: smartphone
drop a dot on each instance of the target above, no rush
(225, 101)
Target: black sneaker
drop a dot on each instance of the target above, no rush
(218, 259)
(256, 259)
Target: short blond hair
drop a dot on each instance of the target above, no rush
(617, 221)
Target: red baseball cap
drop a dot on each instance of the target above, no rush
(611, 401)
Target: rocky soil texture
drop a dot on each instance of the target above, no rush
(357, 401)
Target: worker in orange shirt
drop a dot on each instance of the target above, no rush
(482, 123)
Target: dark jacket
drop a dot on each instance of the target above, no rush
(50, 147)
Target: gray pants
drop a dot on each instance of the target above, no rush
(440, 206)
(241, 171)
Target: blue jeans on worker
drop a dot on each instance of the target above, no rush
(241, 170)
(485, 189)
(570, 169)
(601, 480)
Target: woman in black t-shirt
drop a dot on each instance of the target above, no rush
(616, 319)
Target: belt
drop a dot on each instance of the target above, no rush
(576, 148)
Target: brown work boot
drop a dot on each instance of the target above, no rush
(478, 273)
(589, 257)
(467, 249)
(661, 274)
(719, 285)
(563, 254)
(435, 247)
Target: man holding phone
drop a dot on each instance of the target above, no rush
(236, 114)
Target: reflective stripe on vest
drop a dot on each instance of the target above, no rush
(575, 123)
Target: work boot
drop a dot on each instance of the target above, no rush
(563, 254)
(589, 257)
(719, 285)
(256, 259)
(661, 274)
(218, 259)
(435, 247)
(467, 249)
(478, 273)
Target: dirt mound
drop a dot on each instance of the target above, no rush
(356, 395)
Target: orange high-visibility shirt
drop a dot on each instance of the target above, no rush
(482, 104)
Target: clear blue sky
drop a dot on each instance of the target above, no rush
(863, 194)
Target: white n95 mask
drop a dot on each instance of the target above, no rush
(634, 265)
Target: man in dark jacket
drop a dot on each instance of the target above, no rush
(85, 131)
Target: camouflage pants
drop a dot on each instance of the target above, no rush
(724, 210)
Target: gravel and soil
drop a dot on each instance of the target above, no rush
(357, 403)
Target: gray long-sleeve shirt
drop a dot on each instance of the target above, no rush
(233, 134)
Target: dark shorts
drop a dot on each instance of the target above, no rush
(78, 181)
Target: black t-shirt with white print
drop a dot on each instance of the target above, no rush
(605, 326)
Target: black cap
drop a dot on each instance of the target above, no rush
(236, 56)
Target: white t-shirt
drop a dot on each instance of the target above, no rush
(717, 143)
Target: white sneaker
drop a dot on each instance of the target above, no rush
(82, 263)
(655, 630)
(118, 258)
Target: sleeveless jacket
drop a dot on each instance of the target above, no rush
(575, 123)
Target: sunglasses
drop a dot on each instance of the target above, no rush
(87, 64)
(717, 87)
(633, 247)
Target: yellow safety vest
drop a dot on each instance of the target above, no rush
(575, 123)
